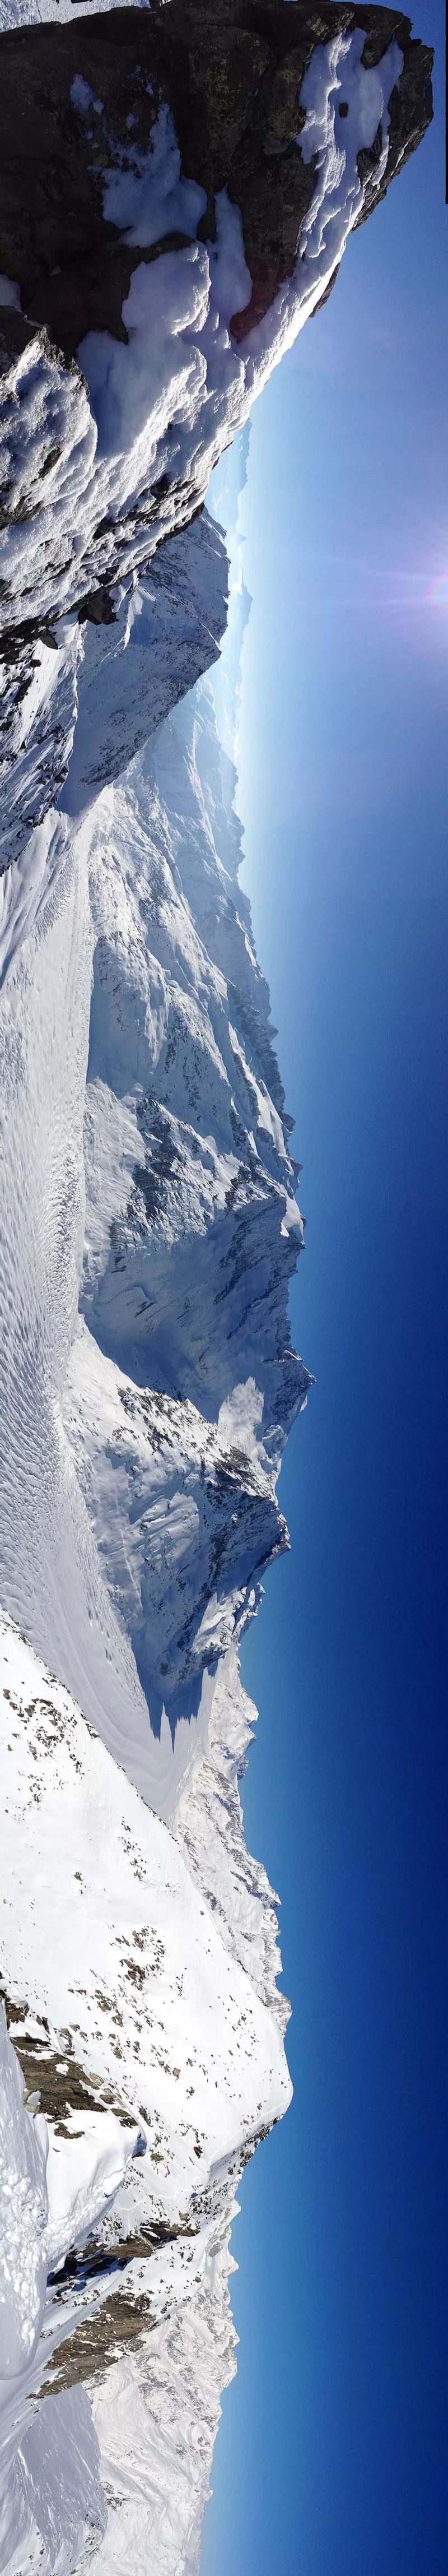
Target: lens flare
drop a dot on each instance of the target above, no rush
(437, 592)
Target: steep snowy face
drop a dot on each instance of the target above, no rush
(138, 1521)
(87, 689)
(138, 1512)
(150, 2034)
(183, 1383)
(143, 1436)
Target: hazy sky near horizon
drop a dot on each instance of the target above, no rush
(331, 2457)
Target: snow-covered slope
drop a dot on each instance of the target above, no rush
(156, 2063)
(138, 1519)
(143, 1437)
(80, 697)
(192, 1227)
(149, 1223)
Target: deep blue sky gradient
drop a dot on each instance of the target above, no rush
(331, 2455)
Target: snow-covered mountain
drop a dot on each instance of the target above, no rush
(148, 2033)
(174, 202)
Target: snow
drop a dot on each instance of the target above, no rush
(24, 891)
(335, 75)
(50, 1575)
(170, 1503)
(148, 196)
(189, 1190)
(230, 279)
(164, 632)
(59, 2462)
(163, 405)
(100, 460)
(144, 2014)
(226, 487)
(128, 888)
(38, 13)
(201, 289)
(39, 736)
(23, 2217)
(84, 2171)
(151, 1507)
(50, 2490)
(49, 2484)
(239, 1421)
(156, 2008)
(133, 1973)
(178, 367)
(149, 1229)
(336, 78)
(48, 442)
(172, 932)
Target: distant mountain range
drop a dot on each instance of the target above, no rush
(175, 196)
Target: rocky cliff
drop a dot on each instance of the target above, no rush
(177, 189)
(176, 193)
(231, 82)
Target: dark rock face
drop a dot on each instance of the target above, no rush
(231, 79)
(67, 536)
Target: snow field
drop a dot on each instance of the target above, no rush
(121, 1993)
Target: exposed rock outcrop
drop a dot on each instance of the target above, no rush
(172, 208)
(231, 80)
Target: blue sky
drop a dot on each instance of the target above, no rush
(330, 2457)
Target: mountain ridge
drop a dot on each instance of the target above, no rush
(150, 1224)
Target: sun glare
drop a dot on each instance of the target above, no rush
(437, 593)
